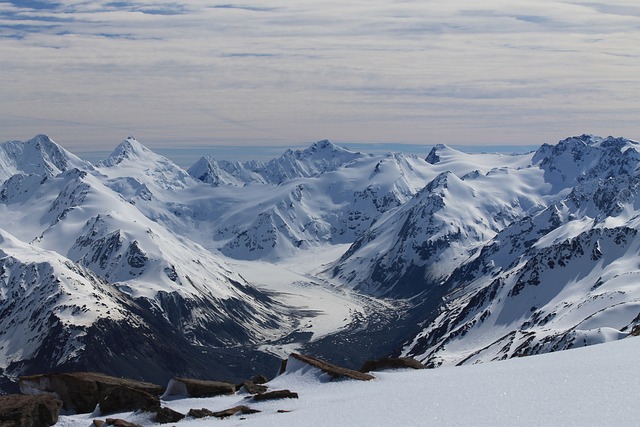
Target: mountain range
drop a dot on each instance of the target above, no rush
(134, 266)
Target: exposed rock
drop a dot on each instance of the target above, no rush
(253, 388)
(336, 372)
(29, 411)
(198, 388)
(80, 392)
(117, 422)
(259, 379)
(391, 363)
(98, 423)
(200, 413)
(168, 415)
(123, 399)
(235, 410)
(283, 366)
(276, 394)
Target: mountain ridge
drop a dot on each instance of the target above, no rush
(448, 257)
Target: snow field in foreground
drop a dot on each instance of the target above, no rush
(591, 386)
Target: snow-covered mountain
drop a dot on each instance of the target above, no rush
(451, 257)
(44, 292)
(38, 156)
(173, 284)
(558, 279)
(415, 247)
(320, 157)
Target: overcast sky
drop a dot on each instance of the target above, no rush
(190, 73)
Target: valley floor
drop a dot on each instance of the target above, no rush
(324, 307)
(590, 386)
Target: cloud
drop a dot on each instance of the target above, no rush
(377, 70)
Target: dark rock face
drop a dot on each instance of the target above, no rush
(276, 394)
(117, 422)
(253, 388)
(202, 413)
(123, 399)
(391, 363)
(29, 411)
(242, 409)
(168, 415)
(199, 388)
(80, 392)
(336, 372)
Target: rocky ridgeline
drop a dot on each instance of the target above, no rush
(44, 396)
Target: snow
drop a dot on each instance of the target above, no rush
(324, 307)
(590, 386)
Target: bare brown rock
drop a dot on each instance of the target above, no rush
(391, 363)
(253, 388)
(242, 409)
(198, 388)
(168, 415)
(117, 422)
(276, 394)
(123, 399)
(259, 379)
(80, 392)
(336, 372)
(200, 413)
(29, 411)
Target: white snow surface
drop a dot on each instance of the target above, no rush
(592, 386)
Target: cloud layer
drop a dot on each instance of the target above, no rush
(282, 71)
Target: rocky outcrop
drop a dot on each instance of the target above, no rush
(168, 415)
(123, 399)
(391, 363)
(276, 394)
(29, 411)
(335, 372)
(241, 409)
(198, 388)
(80, 392)
(253, 388)
(117, 422)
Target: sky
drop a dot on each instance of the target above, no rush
(178, 74)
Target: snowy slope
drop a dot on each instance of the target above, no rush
(589, 387)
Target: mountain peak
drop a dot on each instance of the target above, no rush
(433, 156)
(322, 149)
(325, 144)
(129, 149)
(39, 155)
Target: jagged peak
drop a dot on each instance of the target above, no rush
(39, 155)
(441, 181)
(45, 145)
(434, 155)
(129, 148)
(321, 148)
